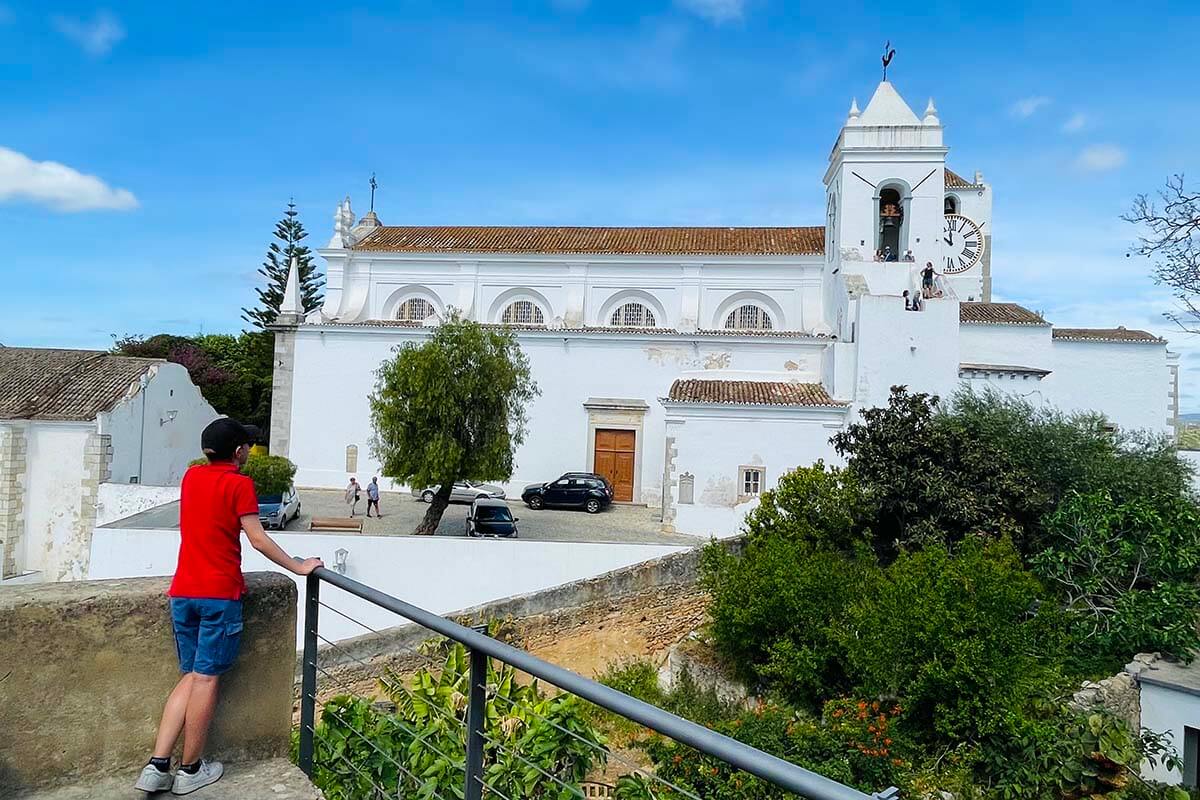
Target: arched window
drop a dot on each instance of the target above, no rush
(415, 309)
(633, 315)
(951, 204)
(748, 318)
(522, 312)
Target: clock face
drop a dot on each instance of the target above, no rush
(963, 243)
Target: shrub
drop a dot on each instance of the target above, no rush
(272, 475)
(959, 638)
(1127, 572)
(821, 506)
(776, 610)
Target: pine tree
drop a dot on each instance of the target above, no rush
(289, 231)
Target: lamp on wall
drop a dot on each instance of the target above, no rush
(339, 560)
(168, 417)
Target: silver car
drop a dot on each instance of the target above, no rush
(464, 492)
(276, 511)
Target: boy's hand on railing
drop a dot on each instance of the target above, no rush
(307, 565)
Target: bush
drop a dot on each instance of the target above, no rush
(776, 611)
(1127, 572)
(960, 638)
(272, 475)
(824, 507)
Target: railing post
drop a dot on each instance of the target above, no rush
(476, 718)
(308, 674)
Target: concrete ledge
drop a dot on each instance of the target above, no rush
(276, 779)
(86, 666)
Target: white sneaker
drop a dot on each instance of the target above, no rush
(151, 780)
(209, 772)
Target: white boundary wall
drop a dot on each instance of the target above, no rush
(441, 574)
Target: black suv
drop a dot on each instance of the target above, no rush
(584, 490)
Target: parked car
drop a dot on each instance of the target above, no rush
(463, 492)
(277, 510)
(491, 517)
(584, 490)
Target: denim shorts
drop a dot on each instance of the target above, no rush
(207, 633)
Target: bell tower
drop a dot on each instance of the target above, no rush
(887, 173)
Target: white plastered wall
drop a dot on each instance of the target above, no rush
(53, 544)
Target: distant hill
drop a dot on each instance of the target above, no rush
(1190, 419)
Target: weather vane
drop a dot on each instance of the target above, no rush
(888, 54)
(373, 186)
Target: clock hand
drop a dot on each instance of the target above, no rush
(949, 240)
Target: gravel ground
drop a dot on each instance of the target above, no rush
(402, 512)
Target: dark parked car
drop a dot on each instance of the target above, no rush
(573, 490)
(491, 517)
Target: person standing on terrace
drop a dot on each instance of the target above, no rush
(216, 504)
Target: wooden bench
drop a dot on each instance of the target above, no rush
(336, 524)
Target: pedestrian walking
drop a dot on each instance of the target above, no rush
(216, 504)
(353, 492)
(373, 497)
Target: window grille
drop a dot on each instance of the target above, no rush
(633, 315)
(415, 309)
(748, 317)
(522, 312)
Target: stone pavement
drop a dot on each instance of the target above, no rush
(402, 512)
(276, 779)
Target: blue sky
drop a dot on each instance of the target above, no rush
(146, 149)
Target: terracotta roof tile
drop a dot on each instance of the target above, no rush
(1118, 334)
(64, 385)
(956, 181)
(599, 241)
(753, 393)
(998, 314)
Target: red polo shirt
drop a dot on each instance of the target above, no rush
(213, 499)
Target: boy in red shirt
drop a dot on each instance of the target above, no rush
(216, 504)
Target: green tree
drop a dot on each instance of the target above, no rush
(449, 409)
(272, 475)
(961, 638)
(930, 482)
(289, 232)
(824, 506)
(1127, 572)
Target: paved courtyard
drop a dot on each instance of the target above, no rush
(402, 512)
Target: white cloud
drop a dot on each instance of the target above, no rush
(96, 37)
(57, 186)
(1028, 106)
(715, 11)
(1075, 123)
(1100, 157)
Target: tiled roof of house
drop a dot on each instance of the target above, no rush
(956, 181)
(64, 385)
(1119, 334)
(751, 393)
(595, 241)
(998, 314)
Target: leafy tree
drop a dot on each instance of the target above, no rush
(929, 482)
(272, 475)
(1172, 235)
(1127, 571)
(449, 409)
(960, 638)
(289, 232)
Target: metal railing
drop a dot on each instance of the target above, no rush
(481, 648)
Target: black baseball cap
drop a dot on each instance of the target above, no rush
(224, 436)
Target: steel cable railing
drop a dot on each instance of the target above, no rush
(480, 648)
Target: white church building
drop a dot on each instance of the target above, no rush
(695, 366)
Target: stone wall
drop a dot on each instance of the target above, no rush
(12, 494)
(638, 611)
(86, 666)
